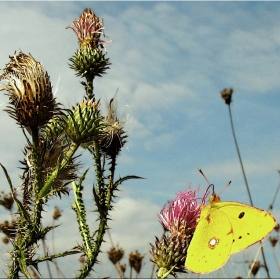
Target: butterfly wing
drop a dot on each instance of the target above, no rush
(211, 244)
(250, 224)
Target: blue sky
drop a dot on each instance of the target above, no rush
(170, 60)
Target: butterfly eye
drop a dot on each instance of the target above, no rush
(213, 242)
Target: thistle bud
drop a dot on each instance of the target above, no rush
(89, 61)
(83, 122)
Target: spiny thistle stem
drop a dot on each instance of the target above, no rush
(89, 89)
(103, 212)
(49, 182)
(37, 162)
(79, 208)
(99, 177)
(99, 239)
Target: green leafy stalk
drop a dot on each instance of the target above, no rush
(60, 166)
(79, 208)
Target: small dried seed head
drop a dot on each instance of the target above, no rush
(257, 265)
(115, 254)
(273, 241)
(135, 261)
(56, 213)
(7, 200)
(123, 267)
(226, 94)
(8, 228)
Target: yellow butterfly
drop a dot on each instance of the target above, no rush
(223, 229)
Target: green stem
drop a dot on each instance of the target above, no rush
(89, 88)
(81, 216)
(103, 207)
(37, 165)
(99, 239)
(46, 188)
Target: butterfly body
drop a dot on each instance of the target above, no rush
(223, 229)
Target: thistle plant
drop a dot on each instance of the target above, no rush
(50, 156)
(179, 219)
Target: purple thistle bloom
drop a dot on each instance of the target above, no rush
(88, 28)
(181, 214)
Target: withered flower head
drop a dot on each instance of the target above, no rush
(56, 213)
(29, 90)
(115, 254)
(88, 28)
(273, 241)
(8, 228)
(7, 200)
(226, 94)
(256, 266)
(135, 261)
(114, 137)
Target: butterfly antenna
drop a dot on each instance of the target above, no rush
(225, 187)
(199, 169)
(209, 184)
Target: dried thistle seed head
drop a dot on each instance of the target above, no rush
(273, 241)
(226, 94)
(8, 228)
(56, 213)
(88, 28)
(114, 137)
(135, 261)
(115, 254)
(123, 267)
(83, 123)
(29, 89)
(7, 200)
(256, 266)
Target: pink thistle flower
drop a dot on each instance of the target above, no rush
(180, 215)
(88, 28)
